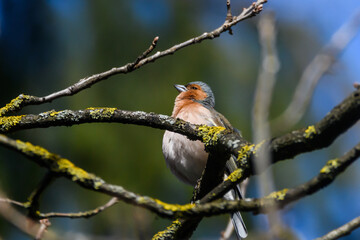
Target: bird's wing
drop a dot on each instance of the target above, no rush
(239, 225)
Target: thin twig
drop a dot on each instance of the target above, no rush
(143, 59)
(342, 231)
(229, 16)
(8, 200)
(35, 195)
(316, 69)
(20, 221)
(44, 225)
(86, 214)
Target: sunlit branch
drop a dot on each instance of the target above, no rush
(313, 137)
(24, 100)
(342, 231)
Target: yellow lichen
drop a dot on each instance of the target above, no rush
(279, 195)
(209, 134)
(245, 151)
(310, 132)
(14, 104)
(6, 123)
(235, 175)
(77, 173)
(55, 162)
(175, 207)
(53, 113)
(330, 165)
(101, 113)
(168, 232)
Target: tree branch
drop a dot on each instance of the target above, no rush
(342, 231)
(317, 136)
(86, 214)
(64, 167)
(33, 200)
(24, 100)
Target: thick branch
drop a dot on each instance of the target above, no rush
(64, 167)
(317, 136)
(91, 115)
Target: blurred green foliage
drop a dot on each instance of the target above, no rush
(56, 44)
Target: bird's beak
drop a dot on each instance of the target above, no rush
(180, 88)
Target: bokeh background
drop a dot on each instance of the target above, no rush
(48, 45)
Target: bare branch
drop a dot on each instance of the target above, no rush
(8, 200)
(86, 214)
(24, 100)
(35, 195)
(44, 224)
(322, 62)
(342, 231)
(20, 221)
(229, 16)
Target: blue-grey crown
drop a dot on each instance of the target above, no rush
(210, 100)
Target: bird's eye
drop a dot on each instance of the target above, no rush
(195, 88)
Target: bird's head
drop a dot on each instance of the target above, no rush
(196, 91)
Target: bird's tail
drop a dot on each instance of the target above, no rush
(236, 218)
(234, 194)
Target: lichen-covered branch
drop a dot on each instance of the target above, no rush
(64, 167)
(316, 136)
(313, 137)
(326, 176)
(280, 198)
(92, 115)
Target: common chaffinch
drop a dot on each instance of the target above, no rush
(187, 159)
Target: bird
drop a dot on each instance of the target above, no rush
(187, 159)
